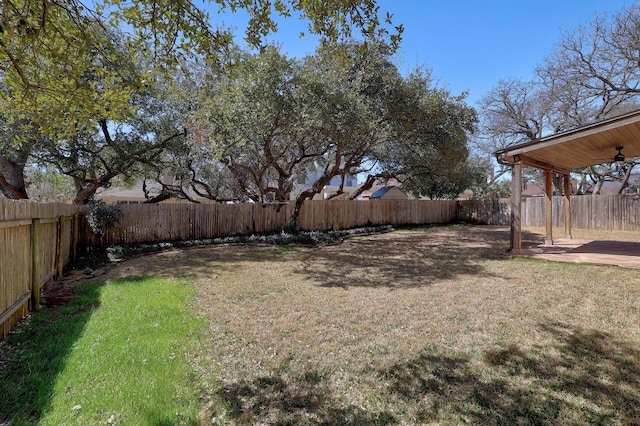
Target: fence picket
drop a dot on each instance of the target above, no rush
(144, 223)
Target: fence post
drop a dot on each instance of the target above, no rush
(36, 255)
(74, 241)
(59, 254)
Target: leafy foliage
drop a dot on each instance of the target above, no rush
(98, 106)
(273, 120)
(463, 175)
(429, 146)
(42, 80)
(103, 216)
(255, 128)
(46, 184)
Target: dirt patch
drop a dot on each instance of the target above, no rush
(61, 293)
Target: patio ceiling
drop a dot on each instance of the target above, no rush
(581, 147)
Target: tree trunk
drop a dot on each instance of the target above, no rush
(368, 184)
(558, 183)
(292, 225)
(162, 196)
(625, 179)
(85, 190)
(598, 186)
(308, 194)
(12, 184)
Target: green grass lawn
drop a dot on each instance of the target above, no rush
(117, 355)
(430, 325)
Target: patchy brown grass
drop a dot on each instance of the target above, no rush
(420, 326)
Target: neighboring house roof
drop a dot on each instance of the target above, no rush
(389, 192)
(115, 194)
(609, 188)
(377, 185)
(135, 194)
(328, 192)
(536, 188)
(533, 189)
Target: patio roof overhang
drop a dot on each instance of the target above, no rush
(582, 147)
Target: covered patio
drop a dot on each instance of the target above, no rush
(610, 140)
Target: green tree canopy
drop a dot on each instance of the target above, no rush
(71, 68)
(47, 48)
(274, 120)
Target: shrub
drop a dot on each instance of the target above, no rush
(102, 216)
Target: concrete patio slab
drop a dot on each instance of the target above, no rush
(612, 253)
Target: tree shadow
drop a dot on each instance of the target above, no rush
(405, 259)
(579, 377)
(285, 399)
(582, 377)
(194, 263)
(34, 355)
(408, 259)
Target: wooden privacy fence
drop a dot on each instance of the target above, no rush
(143, 223)
(36, 242)
(609, 212)
(484, 212)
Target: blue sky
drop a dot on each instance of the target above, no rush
(470, 44)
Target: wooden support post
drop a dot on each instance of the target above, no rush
(76, 231)
(567, 206)
(548, 189)
(59, 246)
(36, 256)
(516, 208)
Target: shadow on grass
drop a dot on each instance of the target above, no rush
(577, 377)
(35, 353)
(582, 377)
(408, 259)
(195, 263)
(284, 400)
(411, 257)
